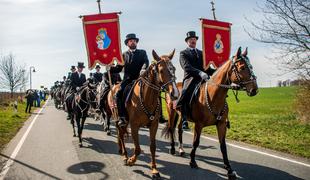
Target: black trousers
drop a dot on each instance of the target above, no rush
(28, 107)
(119, 97)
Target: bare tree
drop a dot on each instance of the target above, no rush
(286, 25)
(12, 76)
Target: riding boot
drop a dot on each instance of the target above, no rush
(184, 117)
(120, 107)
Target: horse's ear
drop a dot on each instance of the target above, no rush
(238, 52)
(171, 54)
(155, 56)
(245, 53)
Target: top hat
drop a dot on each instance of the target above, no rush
(131, 36)
(81, 65)
(72, 67)
(97, 66)
(191, 34)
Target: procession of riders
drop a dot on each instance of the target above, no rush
(136, 100)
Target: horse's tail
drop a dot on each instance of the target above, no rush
(169, 130)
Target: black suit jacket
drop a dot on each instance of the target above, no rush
(191, 64)
(98, 77)
(77, 81)
(115, 77)
(134, 65)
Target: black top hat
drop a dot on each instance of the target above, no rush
(191, 34)
(97, 66)
(131, 36)
(81, 65)
(72, 67)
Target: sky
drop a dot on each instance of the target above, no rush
(48, 34)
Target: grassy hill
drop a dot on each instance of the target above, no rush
(268, 120)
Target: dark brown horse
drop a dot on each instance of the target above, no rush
(81, 102)
(143, 106)
(210, 107)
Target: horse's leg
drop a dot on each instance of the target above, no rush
(72, 123)
(153, 130)
(221, 130)
(180, 133)
(121, 143)
(78, 124)
(197, 133)
(81, 131)
(172, 120)
(135, 138)
(108, 125)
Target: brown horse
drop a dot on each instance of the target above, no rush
(210, 107)
(143, 106)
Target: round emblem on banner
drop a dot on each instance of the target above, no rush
(218, 44)
(102, 39)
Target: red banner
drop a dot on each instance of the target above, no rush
(102, 38)
(215, 42)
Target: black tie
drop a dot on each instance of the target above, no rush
(194, 52)
(130, 56)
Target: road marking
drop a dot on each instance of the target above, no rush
(9, 163)
(256, 151)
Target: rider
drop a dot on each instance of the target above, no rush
(97, 75)
(191, 61)
(136, 61)
(78, 78)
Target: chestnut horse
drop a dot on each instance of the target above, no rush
(210, 107)
(143, 106)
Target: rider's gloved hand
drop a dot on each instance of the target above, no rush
(204, 76)
(142, 72)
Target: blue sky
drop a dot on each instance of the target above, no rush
(48, 34)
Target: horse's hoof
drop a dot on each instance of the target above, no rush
(172, 151)
(105, 129)
(131, 162)
(156, 176)
(193, 165)
(182, 154)
(81, 145)
(125, 162)
(109, 133)
(232, 175)
(74, 135)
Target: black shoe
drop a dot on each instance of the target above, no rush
(121, 122)
(185, 125)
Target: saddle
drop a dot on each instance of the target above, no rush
(194, 96)
(128, 92)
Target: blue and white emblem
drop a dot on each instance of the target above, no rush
(218, 44)
(102, 39)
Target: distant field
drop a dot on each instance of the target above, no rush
(268, 120)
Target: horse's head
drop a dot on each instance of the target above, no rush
(92, 95)
(165, 72)
(243, 74)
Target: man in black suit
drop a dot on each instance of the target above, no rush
(136, 62)
(78, 78)
(191, 61)
(97, 75)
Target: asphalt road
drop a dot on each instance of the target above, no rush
(50, 152)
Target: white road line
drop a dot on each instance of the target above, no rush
(9, 163)
(253, 150)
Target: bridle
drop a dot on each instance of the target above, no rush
(88, 100)
(157, 88)
(240, 85)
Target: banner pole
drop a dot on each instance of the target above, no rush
(213, 9)
(99, 7)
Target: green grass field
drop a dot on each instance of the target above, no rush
(267, 120)
(11, 122)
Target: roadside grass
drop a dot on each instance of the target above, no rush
(268, 120)
(11, 122)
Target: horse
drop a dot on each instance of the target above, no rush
(210, 106)
(143, 106)
(82, 100)
(105, 112)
